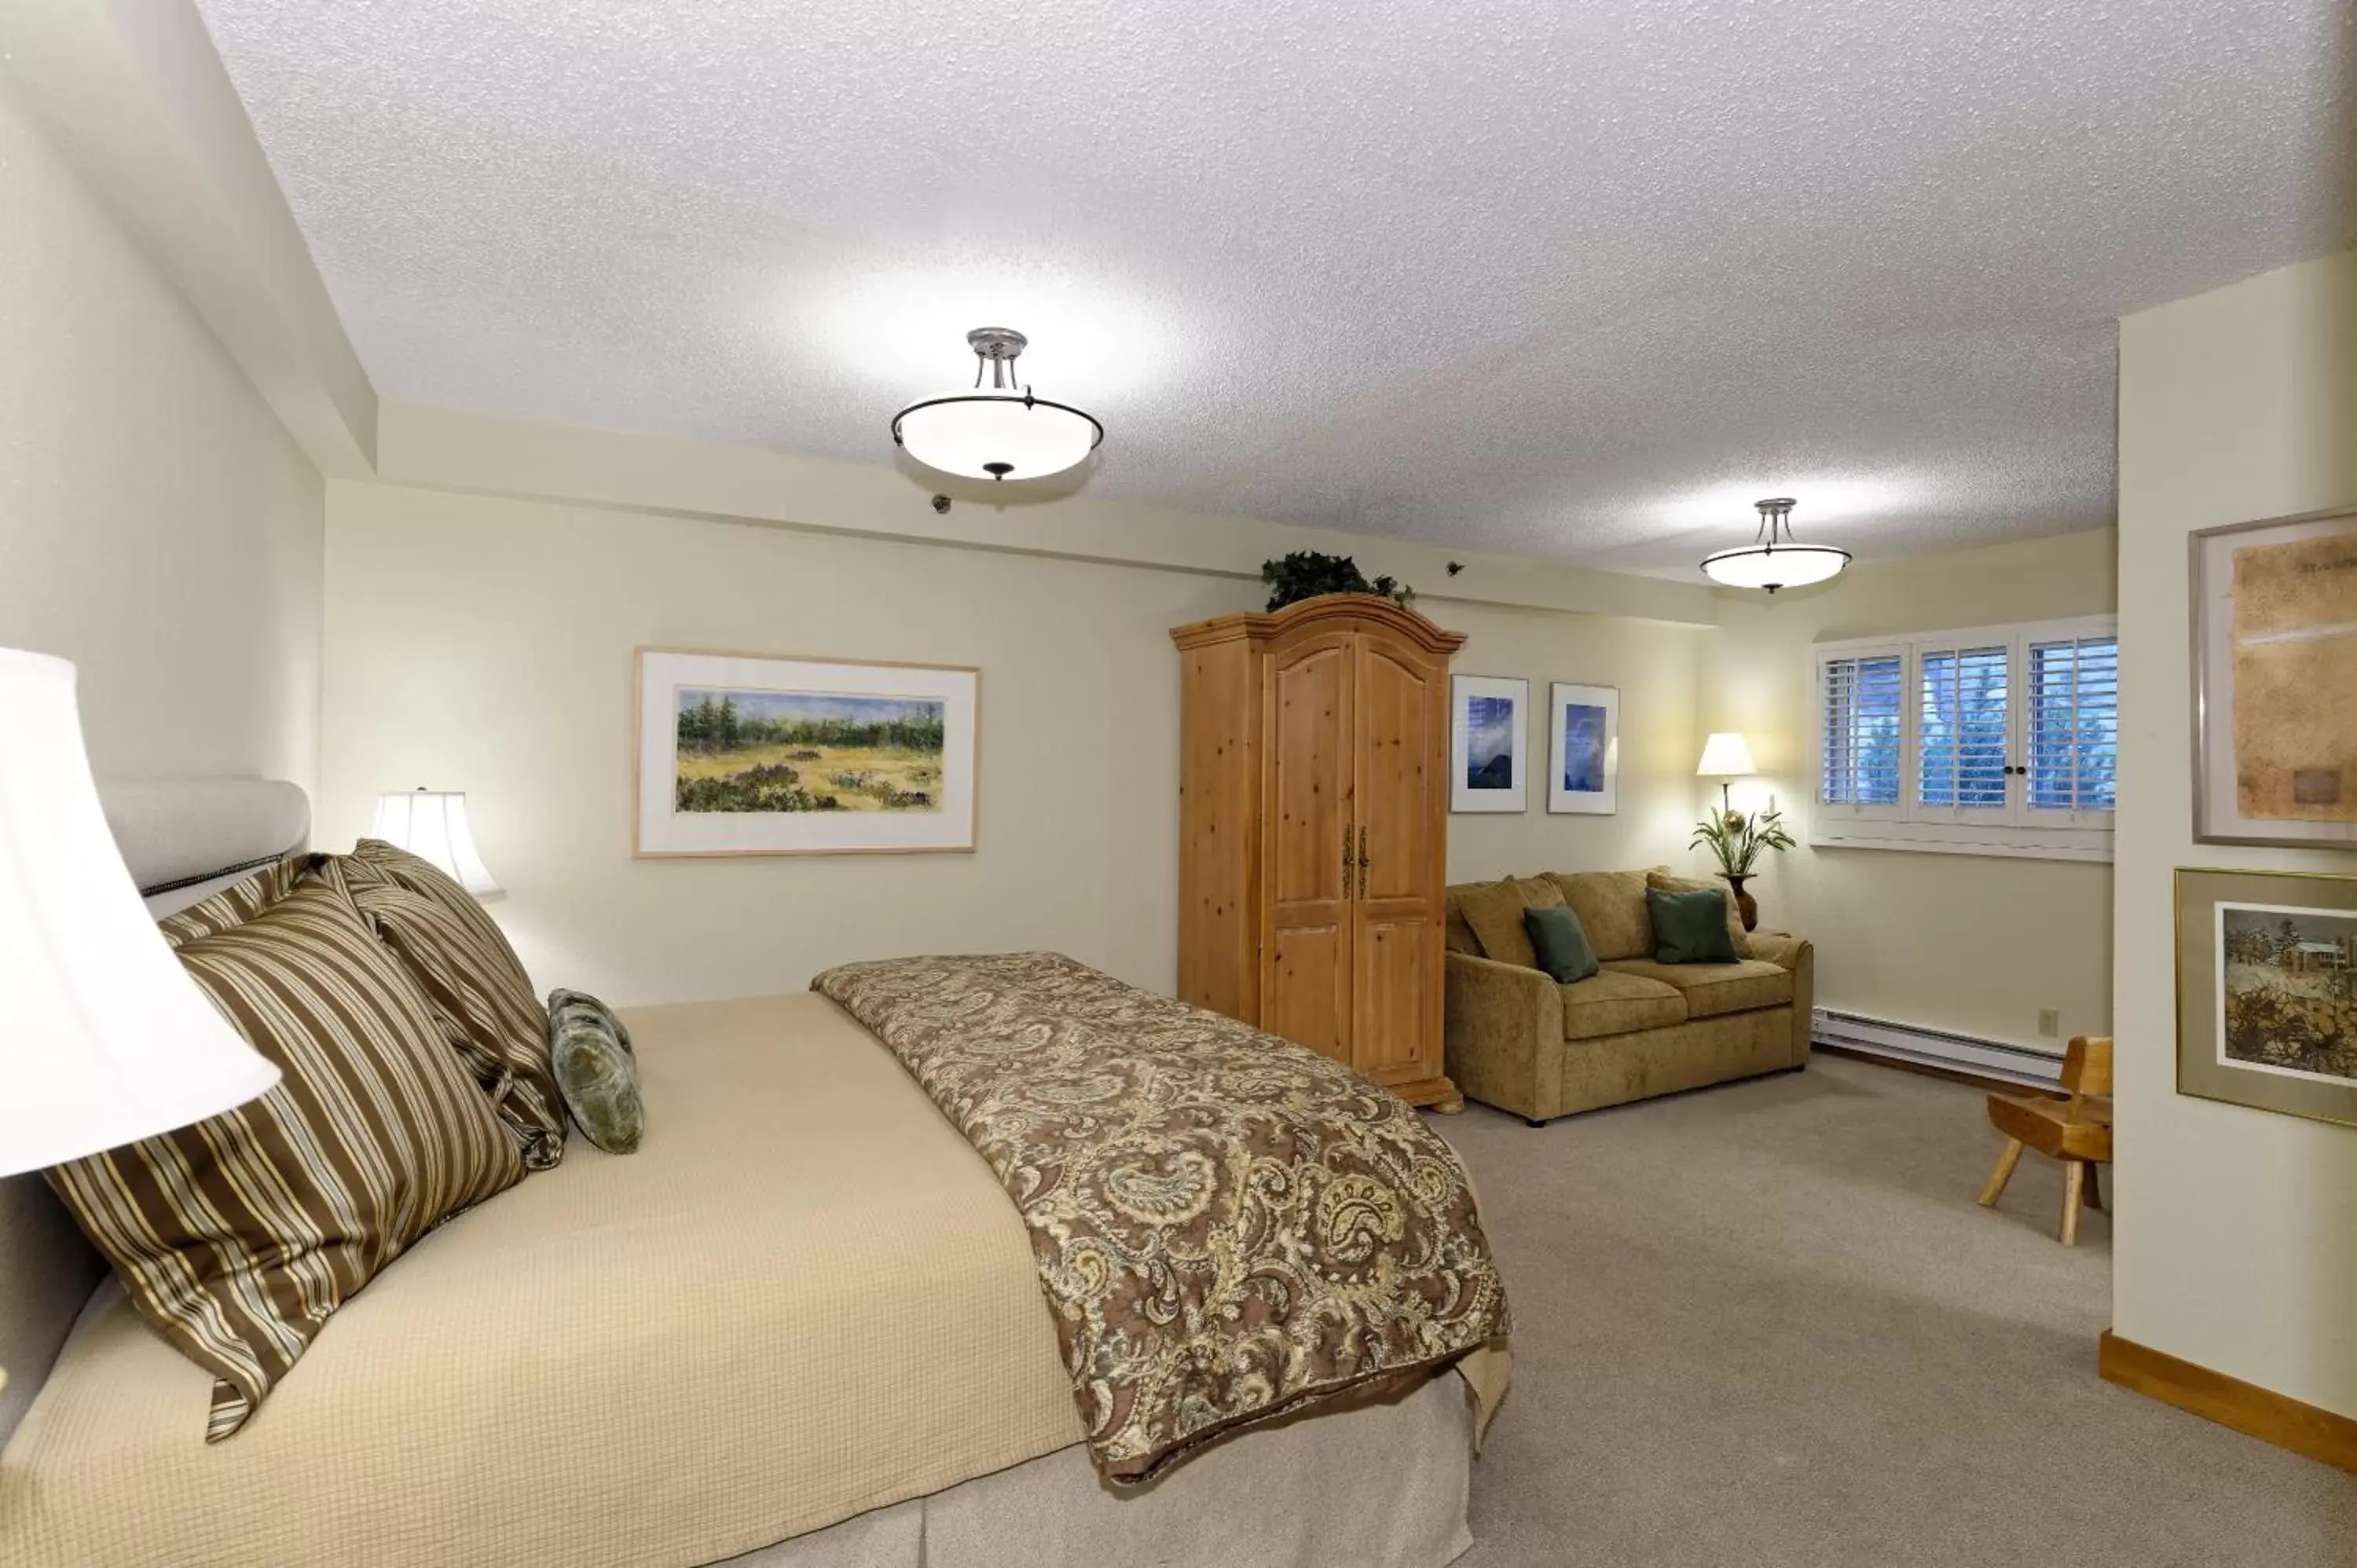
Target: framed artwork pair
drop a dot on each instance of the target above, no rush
(1489, 735)
(2266, 961)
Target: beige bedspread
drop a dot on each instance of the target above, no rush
(805, 1297)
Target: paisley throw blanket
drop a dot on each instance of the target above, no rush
(1227, 1224)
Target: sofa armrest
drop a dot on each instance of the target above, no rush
(1505, 1035)
(1798, 955)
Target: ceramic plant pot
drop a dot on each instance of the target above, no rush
(1745, 904)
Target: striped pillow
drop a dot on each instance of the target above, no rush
(459, 957)
(238, 1237)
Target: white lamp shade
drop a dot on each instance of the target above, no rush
(1773, 567)
(973, 434)
(432, 825)
(108, 1040)
(1726, 755)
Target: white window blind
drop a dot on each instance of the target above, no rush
(1961, 727)
(1862, 730)
(2001, 740)
(2075, 705)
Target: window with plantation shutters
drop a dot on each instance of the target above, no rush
(1862, 731)
(2074, 721)
(2001, 740)
(1961, 743)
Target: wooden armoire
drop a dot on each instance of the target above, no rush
(1314, 831)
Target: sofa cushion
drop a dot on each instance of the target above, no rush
(1611, 909)
(1663, 882)
(1690, 927)
(1561, 946)
(1458, 936)
(1712, 989)
(1612, 1003)
(1494, 910)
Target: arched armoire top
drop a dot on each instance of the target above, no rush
(1357, 609)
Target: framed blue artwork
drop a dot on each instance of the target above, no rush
(1489, 734)
(1584, 749)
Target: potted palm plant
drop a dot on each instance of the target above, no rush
(1735, 842)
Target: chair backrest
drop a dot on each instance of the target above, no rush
(2087, 1068)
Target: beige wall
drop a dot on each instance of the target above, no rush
(157, 524)
(1656, 665)
(485, 644)
(2235, 1245)
(1976, 944)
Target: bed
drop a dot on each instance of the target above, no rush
(802, 1327)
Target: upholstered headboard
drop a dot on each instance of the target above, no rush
(182, 839)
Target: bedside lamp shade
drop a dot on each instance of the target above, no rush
(107, 1039)
(432, 825)
(1726, 755)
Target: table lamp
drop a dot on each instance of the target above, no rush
(109, 1041)
(1726, 757)
(432, 825)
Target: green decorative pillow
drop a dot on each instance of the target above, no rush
(1690, 927)
(1560, 943)
(597, 1071)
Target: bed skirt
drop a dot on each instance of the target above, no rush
(1377, 1484)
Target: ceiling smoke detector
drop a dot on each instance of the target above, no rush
(999, 431)
(1773, 560)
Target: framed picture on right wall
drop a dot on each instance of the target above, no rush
(2275, 682)
(1583, 748)
(2266, 991)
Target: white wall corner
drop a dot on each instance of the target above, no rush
(134, 95)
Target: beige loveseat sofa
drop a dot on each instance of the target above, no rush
(1520, 1042)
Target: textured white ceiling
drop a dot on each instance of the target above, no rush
(1569, 279)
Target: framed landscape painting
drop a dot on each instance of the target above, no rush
(1583, 748)
(739, 753)
(1489, 729)
(2266, 991)
(2275, 682)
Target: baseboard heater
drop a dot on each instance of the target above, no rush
(1936, 1048)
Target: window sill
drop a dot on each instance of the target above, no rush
(1942, 838)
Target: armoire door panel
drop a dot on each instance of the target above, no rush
(1396, 715)
(1310, 1001)
(1309, 777)
(1396, 984)
(1310, 855)
(1398, 708)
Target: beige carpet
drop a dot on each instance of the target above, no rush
(1767, 1324)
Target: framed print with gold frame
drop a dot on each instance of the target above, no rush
(2275, 681)
(2266, 991)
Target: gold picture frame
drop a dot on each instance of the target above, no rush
(2274, 603)
(2267, 990)
(875, 803)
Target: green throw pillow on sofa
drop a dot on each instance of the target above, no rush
(1690, 927)
(1560, 942)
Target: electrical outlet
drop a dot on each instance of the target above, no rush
(2049, 1022)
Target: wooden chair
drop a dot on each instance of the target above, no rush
(2077, 1131)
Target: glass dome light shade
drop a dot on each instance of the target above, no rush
(1775, 566)
(994, 434)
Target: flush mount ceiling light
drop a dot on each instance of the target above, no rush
(1773, 561)
(1001, 431)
